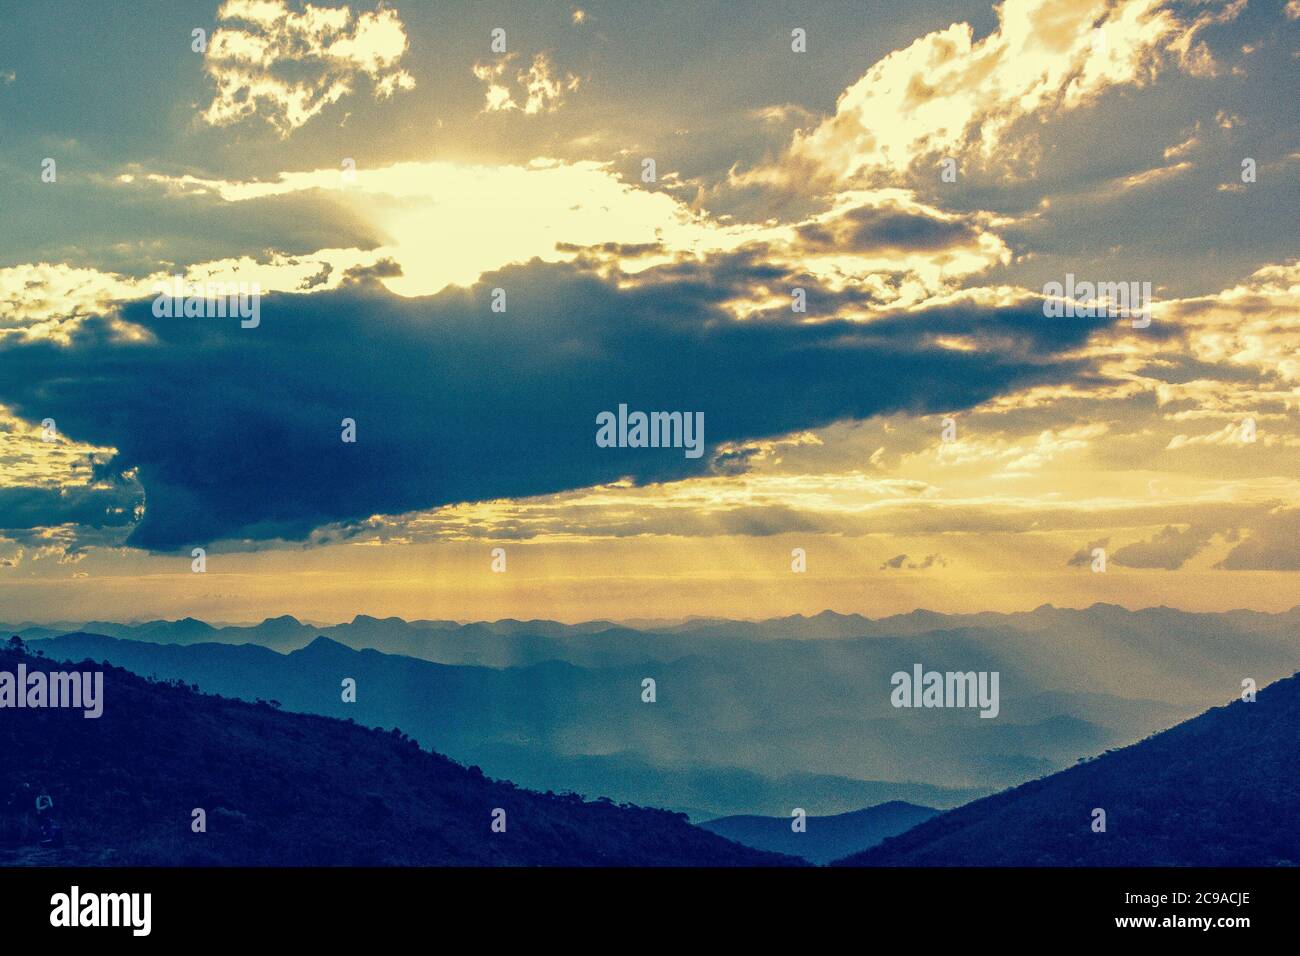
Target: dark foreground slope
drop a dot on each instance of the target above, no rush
(1222, 789)
(824, 838)
(287, 789)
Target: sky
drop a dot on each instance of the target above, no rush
(840, 232)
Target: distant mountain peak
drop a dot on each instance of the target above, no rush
(369, 619)
(322, 643)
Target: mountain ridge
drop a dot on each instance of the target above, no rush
(824, 838)
(279, 788)
(1196, 794)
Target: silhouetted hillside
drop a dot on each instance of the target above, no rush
(1221, 789)
(748, 710)
(281, 789)
(825, 838)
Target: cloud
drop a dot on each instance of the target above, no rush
(1236, 434)
(48, 484)
(1169, 549)
(884, 244)
(1083, 557)
(539, 91)
(569, 206)
(1018, 455)
(948, 94)
(1153, 176)
(842, 505)
(32, 456)
(36, 293)
(899, 561)
(886, 227)
(46, 301)
(236, 432)
(382, 269)
(90, 507)
(1253, 325)
(1179, 150)
(286, 66)
(1273, 544)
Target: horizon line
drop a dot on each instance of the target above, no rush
(642, 622)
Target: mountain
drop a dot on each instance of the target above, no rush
(741, 710)
(1218, 790)
(702, 792)
(793, 710)
(1150, 640)
(281, 789)
(825, 838)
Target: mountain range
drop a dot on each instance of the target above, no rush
(749, 717)
(281, 789)
(1218, 790)
(823, 839)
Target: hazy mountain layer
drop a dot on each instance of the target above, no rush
(824, 838)
(292, 789)
(1219, 790)
(745, 720)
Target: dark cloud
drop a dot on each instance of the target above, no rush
(900, 561)
(236, 432)
(1169, 549)
(886, 228)
(386, 268)
(25, 508)
(1182, 369)
(318, 279)
(78, 217)
(1273, 545)
(1083, 557)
